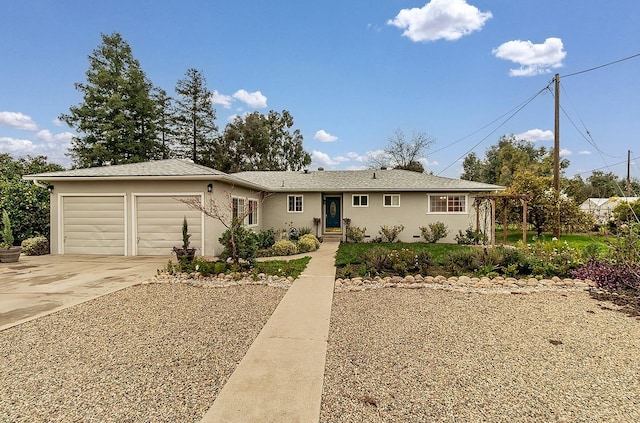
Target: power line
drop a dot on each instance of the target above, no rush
(517, 110)
(601, 66)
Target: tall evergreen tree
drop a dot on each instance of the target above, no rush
(116, 120)
(164, 121)
(195, 119)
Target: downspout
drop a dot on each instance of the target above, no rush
(40, 184)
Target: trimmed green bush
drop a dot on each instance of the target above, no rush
(284, 248)
(308, 243)
(356, 233)
(36, 246)
(390, 233)
(243, 245)
(434, 232)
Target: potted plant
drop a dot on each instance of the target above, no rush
(185, 252)
(8, 252)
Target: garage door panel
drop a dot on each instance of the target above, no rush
(159, 224)
(94, 225)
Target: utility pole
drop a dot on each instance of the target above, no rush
(556, 157)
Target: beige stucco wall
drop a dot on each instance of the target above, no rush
(412, 213)
(275, 215)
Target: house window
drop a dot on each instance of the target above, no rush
(360, 200)
(391, 200)
(245, 210)
(447, 204)
(294, 203)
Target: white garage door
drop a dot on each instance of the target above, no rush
(93, 225)
(159, 224)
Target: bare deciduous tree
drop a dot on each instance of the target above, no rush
(401, 153)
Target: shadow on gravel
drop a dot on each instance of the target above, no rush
(627, 299)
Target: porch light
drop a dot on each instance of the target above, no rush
(209, 187)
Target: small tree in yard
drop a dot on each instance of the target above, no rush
(239, 242)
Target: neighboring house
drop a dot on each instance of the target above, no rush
(138, 209)
(602, 208)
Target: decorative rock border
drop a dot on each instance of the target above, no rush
(497, 285)
(223, 280)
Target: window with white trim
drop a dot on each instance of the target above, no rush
(391, 200)
(360, 200)
(294, 203)
(245, 209)
(451, 203)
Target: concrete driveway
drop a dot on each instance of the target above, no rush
(39, 285)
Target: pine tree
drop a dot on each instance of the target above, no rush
(196, 130)
(116, 120)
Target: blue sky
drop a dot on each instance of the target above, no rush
(350, 72)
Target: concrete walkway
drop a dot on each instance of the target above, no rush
(280, 378)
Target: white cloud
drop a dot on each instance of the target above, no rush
(17, 120)
(352, 155)
(341, 159)
(324, 136)
(224, 100)
(426, 163)
(564, 152)
(440, 19)
(584, 153)
(535, 135)
(46, 136)
(58, 122)
(534, 59)
(254, 99)
(17, 147)
(320, 159)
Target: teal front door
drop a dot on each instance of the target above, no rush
(332, 214)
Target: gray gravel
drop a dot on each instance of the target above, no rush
(398, 355)
(150, 353)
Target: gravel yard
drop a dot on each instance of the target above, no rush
(152, 353)
(398, 355)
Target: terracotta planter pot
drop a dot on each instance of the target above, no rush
(10, 255)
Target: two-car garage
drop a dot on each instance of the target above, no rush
(106, 224)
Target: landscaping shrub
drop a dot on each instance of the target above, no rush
(36, 246)
(390, 233)
(284, 248)
(307, 243)
(305, 230)
(550, 258)
(434, 232)
(266, 238)
(400, 262)
(609, 275)
(243, 245)
(464, 262)
(355, 233)
(471, 237)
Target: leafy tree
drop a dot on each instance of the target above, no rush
(627, 211)
(401, 153)
(504, 159)
(259, 142)
(116, 120)
(195, 119)
(26, 203)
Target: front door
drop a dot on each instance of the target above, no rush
(332, 217)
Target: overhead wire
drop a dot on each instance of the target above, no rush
(513, 113)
